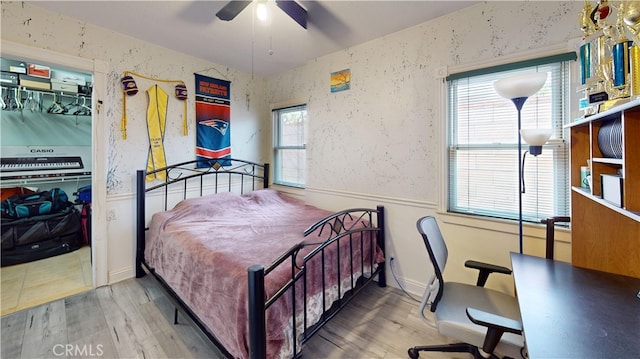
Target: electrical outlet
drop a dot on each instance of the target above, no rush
(111, 215)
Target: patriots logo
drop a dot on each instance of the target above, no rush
(220, 125)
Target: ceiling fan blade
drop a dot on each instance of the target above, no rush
(294, 10)
(231, 10)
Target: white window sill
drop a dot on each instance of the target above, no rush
(503, 226)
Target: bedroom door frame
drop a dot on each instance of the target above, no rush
(99, 69)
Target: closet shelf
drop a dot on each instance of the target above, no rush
(19, 97)
(70, 94)
(13, 182)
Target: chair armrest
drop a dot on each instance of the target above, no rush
(491, 320)
(485, 269)
(496, 326)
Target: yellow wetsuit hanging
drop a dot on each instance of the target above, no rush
(156, 119)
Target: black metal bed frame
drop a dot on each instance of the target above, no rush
(248, 176)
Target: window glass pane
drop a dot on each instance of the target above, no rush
(483, 147)
(486, 183)
(292, 132)
(291, 167)
(483, 117)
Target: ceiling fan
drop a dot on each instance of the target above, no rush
(290, 7)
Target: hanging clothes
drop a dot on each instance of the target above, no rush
(156, 119)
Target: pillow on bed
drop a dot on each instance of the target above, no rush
(266, 196)
(208, 205)
(223, 204)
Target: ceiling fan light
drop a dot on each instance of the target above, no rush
(261, 11)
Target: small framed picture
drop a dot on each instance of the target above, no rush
(341, 80)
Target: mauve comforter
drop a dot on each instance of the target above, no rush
(203, 247)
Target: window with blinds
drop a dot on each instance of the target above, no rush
(483, 143)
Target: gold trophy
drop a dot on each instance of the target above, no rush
(609, 60)
(620, 59)
(631, 18)
(595, 57)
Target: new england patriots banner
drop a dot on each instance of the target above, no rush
(213, 116)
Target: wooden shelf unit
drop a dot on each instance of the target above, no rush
(605, 236)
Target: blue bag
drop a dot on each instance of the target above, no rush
(34, 204)
(83, 194)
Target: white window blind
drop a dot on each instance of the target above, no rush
(289, 145)
(483, 143)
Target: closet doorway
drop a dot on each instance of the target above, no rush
(47, 114)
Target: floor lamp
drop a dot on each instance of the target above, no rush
(518, 89)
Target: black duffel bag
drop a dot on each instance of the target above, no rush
(38, 237)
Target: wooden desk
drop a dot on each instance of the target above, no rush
(572, 312)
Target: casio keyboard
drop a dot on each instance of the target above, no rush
(24, 162)
(17, 164)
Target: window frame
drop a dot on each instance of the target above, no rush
(278, 147)
(559, 143)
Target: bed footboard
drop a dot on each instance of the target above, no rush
(345, 226)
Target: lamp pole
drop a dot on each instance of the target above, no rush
(518, 89)
(519, 102)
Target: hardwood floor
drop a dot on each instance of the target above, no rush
(133, 319)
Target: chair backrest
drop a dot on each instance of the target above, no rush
(437, 249)
(551, 230)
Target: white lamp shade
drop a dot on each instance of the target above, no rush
(536, 136)
(524, 85)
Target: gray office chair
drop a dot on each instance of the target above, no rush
(485, 321)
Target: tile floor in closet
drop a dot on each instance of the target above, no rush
(29, 284)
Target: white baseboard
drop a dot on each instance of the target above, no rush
(415, 288)
(121, 274)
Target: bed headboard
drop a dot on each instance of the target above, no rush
(222, 171)
(193, 179)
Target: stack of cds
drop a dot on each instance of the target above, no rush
(610, 139)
